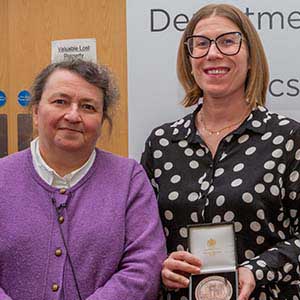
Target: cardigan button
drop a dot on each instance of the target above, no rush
(55, 287)
(58, 252)
(62, 191)
(61, 219)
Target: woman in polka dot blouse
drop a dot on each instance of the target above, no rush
(230, 160)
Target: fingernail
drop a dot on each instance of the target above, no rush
(186, 281)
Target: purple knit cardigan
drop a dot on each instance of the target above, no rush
(111, 225)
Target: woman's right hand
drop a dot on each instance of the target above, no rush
(177, 267)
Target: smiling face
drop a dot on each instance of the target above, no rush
(218, 75)
(69, 114)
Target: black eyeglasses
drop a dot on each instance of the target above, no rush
(228, 43)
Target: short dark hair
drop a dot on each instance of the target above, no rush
(98, 75)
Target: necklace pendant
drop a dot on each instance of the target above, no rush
(218, 132)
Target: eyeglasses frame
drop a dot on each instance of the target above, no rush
(213, 41)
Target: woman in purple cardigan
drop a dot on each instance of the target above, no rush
(76, 222)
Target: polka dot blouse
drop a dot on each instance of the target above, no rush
(253, 180)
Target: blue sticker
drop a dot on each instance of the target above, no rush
(2, 98)
(24, 98)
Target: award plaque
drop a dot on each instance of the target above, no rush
(214, 245)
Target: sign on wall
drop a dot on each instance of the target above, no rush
(64, 50)
(154, 28)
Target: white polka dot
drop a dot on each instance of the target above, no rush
(194, 217)
(168, 166)
(268, 177)
(180, 248)
(173, 195)
(274, 189)
(200, 153)
(183, 298)
(216, 219)
(220, 200)
(280, 217)
(229, 138)
(244, 138)
(204, 185)
(219, 172)
(269, 165)
(157, 173)
(281, 168)
(211, 189)
(249, 267)
(297, 154)
(286, 223)
(259, 188)
(183, 232)
(250, 150)
(168, 215)
(157, 154)
(256, 123)
(238, 167)
(259, 274)
(293, 195)
(287, 278)
(175, 179)
(260, 240)
(194, 164)
(261, 263)
(270, 275)
(164, 142)
(260, 214)
(278, 140)
(182, 143)
(223, 156)
(262, 296)
(283, 122)
(277, 153)
(247, 197)
(293, 213)
(228, 216)
(261, 108)
(281, 234)
(188, 152)
(271, 227)
(236, 182)
(297, 243)
(202, 178)
(238, 226)
(153, 182)
(255, 226)
(175, 131)
(289, 145)
(266, 136)
(193, 196)
(180, 121)
(166, 231)
(159, 132)
(249, 254)
(187, 123)
(294, 176)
